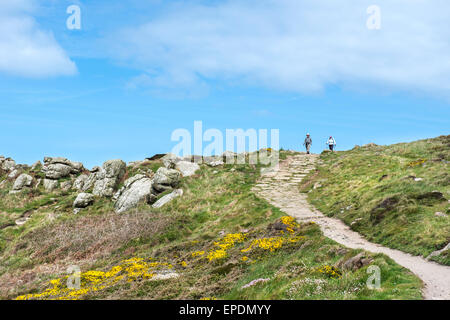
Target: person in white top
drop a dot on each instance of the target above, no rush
(331, 143)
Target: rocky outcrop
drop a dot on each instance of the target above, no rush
(136, 189)
(13, 174)
(83, 200)
(167, 198)
(186, 168)
(63, 174)
(229, 156)
(56, 171)
(213, 161)
(56, 168)
(22, 221)
(50, 185)
(356, 262)
(79, 182)
(439, 252)
(108, 178)
(170, 160)
(165, 179)
(90, 181)
(7, 164)
(66, 185)
(24, 180)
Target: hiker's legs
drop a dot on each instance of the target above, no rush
(331, 147)
(307, 148)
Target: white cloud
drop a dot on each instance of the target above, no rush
(295, 45)
(25, 50)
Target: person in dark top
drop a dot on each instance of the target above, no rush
(307, 143)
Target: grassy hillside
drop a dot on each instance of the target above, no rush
(207, 244)
(394, 195)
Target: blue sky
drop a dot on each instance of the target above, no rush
(138, 70)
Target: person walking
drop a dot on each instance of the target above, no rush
(331, 143)
(307, 143)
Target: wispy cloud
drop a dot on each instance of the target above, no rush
(263, 113)
(294, 45)
(25, 49)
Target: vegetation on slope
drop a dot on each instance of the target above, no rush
(394, 195)
(209, 243)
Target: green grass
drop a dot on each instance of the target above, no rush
(373, 190)
(216, 202)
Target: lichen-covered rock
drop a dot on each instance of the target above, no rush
(186, 168)
(13, 174)
(167, 198)
(128, 183)
(24, 180)
(83, 200)
(96, 169)
(22, 221)
(56, 168)
(136, 189)
(356, 262)
(229, 156)
(50, 185)
(7, 164)
(78, 166)
(165, 179)
(79, 182)
(213, 161)
(439, 252)
(56, 171)
(170, 160)
(89, 182)
(108, 178)
(66, 185)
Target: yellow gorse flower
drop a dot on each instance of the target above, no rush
(290, 223)
(133, 269)
(227, 242)
(197, 253)
(136, 269)
(330, 271)
(270, 244)
(417, 163)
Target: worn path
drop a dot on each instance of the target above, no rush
(280, 188)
